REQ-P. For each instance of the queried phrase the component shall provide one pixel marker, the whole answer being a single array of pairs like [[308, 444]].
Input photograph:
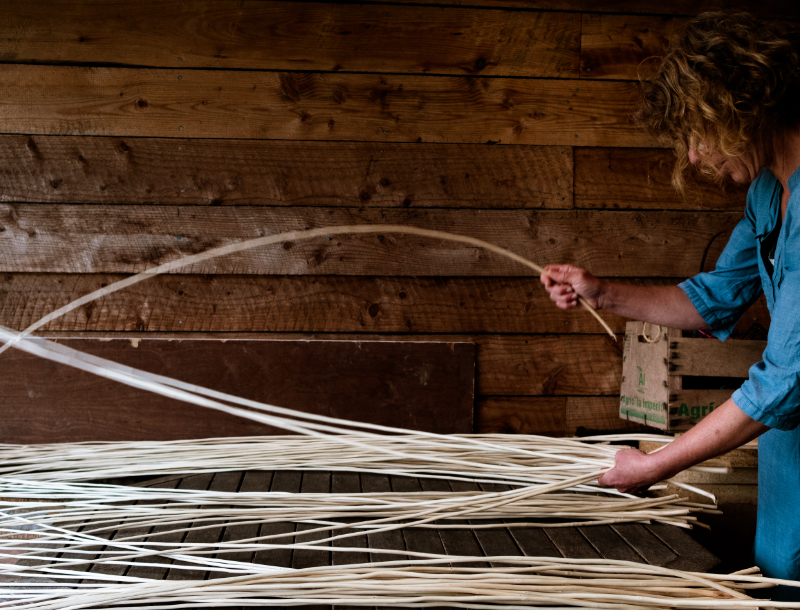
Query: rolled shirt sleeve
[[723, 295], [771, 394]]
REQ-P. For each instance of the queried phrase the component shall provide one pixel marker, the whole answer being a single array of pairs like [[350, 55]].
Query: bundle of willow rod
[[511, 583], [48, 513], [567, 461]]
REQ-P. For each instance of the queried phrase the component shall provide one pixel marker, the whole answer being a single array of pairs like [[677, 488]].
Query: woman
[[727, 97]]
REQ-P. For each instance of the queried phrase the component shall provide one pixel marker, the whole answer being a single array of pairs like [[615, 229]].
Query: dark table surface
[[657, 544]]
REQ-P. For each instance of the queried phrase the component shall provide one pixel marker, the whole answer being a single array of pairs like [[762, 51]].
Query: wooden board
[[636, 178], [222, 303], [294, 35], [51, 100], [780, 9], [77, 169], [615, 46], [506, 365], [423, 386], [545, 415], [649, 544], [704, 357], [598, 413], [127, 239]]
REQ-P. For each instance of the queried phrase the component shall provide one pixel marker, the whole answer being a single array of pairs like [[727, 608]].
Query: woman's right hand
[[565, 283]]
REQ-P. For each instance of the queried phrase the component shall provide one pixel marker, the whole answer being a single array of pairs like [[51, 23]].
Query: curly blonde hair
[[728, 82]]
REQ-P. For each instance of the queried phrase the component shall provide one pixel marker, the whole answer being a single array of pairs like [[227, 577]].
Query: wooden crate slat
[[641, 178], [59, 100], [129, 239], [420, 385], [181, 171], [296, 35], [704, 358]]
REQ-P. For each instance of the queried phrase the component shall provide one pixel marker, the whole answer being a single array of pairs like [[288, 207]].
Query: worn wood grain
[[692, 556], [608, 543], [293, 35], [126, 239], [571, 543], [507, 365], [705, 358], [646, 544], [407, 384], [781, 9], [615, 46], [636, 178], [55, 100], [598, 413], [544, 416], [76, 169], [385, 304]]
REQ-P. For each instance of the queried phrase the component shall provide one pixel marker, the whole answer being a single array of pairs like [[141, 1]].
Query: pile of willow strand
[[511, 583], [519, 582]]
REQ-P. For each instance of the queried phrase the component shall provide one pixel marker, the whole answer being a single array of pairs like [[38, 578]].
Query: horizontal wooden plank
[[305, 304], [598, 413], [544, 416], [704, 358], [506, 365], [636, 178], [615, 46], [631, 46], [125, 239], [780, 9], [293, 35], [74, 169], [316, 106], [418, 385]]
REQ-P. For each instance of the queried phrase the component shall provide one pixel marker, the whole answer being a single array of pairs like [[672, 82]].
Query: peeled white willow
[[447, 451], [511, 583]]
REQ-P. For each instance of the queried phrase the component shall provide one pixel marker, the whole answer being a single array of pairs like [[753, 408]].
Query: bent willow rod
[[286, 237]]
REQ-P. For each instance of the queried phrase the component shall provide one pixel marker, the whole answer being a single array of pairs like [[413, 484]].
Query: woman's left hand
[[633, 471]]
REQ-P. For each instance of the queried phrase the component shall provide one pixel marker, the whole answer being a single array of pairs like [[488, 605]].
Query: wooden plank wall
[[137, 132]]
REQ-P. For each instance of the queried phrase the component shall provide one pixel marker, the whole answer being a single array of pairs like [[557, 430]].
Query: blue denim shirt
[[771, 394]]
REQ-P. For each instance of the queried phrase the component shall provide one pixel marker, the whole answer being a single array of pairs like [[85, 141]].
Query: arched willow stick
[[285, 237]]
